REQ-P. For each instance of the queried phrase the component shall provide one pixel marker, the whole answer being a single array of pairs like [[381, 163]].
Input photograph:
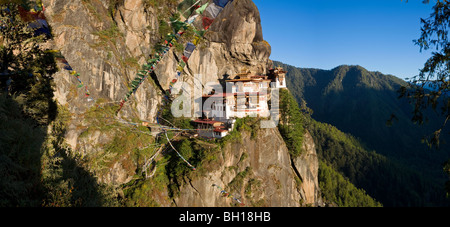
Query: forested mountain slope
[[360, 103]]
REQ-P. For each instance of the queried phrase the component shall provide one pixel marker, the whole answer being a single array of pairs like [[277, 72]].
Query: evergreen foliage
[[434, 74], [360, 103], [387, 181], [27, 66], [341, 192], [291, 123], [20, 152]]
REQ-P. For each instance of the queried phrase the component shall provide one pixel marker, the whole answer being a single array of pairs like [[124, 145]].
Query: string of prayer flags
[[59, 57], [80, 85], [226, 194], [186, 8], [36, 18], [161, 50], [212, 10]]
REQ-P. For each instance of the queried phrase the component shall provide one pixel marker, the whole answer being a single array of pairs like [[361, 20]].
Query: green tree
[[292, 122], [341, 192], [26, 68], [436, 72]]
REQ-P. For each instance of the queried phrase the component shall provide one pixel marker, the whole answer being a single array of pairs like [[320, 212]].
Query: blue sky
[[375, 34]]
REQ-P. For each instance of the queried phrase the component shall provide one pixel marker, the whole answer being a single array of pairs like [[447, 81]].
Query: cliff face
[[233, 43], [306, 166], [258, 172], [107, 50], [106, 43], [107, 53]]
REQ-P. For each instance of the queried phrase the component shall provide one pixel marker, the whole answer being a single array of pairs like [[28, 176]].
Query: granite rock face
[[106, 51], [234, 43], [306, 166], [271, 179], [107, 44]]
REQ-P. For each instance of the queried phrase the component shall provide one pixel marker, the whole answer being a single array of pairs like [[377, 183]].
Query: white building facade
[[248, 96]]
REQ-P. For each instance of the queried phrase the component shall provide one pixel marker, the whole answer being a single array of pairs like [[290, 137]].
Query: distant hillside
[[360, 103], [387, 181]]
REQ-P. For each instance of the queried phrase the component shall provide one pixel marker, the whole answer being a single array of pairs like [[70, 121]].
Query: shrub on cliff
[[292, 122]]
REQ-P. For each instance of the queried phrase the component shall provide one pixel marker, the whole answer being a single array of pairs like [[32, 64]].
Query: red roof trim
[[210, 122]]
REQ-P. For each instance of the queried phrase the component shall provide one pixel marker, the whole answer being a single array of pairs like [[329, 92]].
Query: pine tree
[[291, 122], [435, 73]]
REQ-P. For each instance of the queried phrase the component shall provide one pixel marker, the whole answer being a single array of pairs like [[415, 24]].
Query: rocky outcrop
[[239, 28], [233, 43], [106, 51], [306, 167], [257, 171]]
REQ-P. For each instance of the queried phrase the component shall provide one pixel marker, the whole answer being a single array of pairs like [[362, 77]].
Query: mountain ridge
[[360, 102]]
